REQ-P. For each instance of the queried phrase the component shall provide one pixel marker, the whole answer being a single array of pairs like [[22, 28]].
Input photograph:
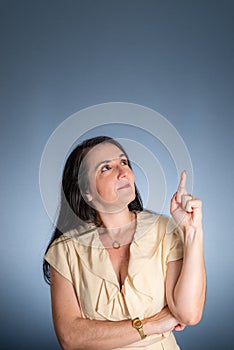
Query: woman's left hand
[[185, 209]]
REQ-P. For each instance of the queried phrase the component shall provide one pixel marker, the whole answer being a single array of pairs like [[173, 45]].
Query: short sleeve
[[173, 244], [58, 257]]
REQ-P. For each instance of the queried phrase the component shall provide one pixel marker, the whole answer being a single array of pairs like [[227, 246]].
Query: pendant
[[116, 245]]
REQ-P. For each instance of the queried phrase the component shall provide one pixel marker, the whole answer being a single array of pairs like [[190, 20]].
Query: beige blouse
[[80, 257]]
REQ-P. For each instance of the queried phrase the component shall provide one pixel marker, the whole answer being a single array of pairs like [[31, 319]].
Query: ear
[[88, 196]]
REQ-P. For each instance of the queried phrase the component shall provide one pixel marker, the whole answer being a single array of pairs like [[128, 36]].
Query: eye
[[105, 168], [124, 161]]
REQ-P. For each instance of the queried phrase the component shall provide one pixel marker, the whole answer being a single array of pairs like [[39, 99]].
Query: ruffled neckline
[[135, 288]]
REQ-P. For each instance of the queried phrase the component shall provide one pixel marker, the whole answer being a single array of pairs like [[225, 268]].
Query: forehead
[[102, 152]]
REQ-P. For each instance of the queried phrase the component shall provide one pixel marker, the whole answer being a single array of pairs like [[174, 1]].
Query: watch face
[[137, 323]]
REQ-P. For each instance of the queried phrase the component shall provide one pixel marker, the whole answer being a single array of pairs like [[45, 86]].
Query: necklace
[[116, 244], [108, 241]]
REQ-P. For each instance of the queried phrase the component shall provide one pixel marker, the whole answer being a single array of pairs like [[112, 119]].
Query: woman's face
[[111, 181]]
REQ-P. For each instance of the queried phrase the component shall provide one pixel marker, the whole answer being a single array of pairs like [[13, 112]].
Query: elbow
[[189, 314], [191, 318], [192, 321], [67, 343]]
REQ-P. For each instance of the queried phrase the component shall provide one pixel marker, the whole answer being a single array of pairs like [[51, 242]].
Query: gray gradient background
[[58, 57]]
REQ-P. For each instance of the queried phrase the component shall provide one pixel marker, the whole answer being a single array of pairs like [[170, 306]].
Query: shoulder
[[150, 219], [74, 243], [157, 225], [151, 227]]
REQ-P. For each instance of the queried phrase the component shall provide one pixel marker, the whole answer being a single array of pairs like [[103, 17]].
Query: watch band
[[138, 325], [142, 334]]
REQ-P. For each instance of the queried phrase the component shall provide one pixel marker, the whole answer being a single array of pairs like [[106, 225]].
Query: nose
[[121, 171]]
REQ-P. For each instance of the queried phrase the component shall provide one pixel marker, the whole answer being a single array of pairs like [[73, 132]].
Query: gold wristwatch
[[136, 323]]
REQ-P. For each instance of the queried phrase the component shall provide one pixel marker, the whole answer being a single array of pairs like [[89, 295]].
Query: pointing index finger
[[182, 186]]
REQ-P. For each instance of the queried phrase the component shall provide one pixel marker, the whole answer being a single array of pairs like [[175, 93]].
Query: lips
[[127, 185]]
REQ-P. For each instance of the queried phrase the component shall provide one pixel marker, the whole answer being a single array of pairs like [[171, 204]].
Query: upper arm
[[173, 273], [65, 306]]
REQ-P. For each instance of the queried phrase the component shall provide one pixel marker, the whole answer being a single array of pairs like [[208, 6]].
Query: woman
[[118, 278]]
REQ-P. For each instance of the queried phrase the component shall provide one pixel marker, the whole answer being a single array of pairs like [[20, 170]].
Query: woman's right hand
[[156, 327], [162, 322]]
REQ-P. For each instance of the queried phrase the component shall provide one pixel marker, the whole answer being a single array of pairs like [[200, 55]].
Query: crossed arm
[[77, 333], [185, 305]]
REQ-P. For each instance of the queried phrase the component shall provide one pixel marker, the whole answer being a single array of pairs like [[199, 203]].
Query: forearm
[[96, 335], [189, 293], [84, 334]]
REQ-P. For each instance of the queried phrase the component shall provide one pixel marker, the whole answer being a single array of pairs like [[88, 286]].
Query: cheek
[[106, 188], [101, 186], [131, 175], [92, 184], [105, 185]]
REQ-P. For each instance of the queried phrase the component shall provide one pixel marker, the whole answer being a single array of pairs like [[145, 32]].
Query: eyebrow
[[109, 160]]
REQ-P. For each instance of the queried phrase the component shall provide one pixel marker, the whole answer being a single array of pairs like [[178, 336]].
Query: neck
[[116, 221], [117, 229]]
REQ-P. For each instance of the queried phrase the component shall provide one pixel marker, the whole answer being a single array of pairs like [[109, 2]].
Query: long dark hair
[[73, 207]]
